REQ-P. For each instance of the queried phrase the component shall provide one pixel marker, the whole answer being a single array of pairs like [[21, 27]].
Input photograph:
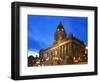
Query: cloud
[[34, 43]]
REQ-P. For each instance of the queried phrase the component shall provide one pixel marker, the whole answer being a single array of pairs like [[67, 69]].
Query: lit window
[[84, 55], [74, 58], [55, 52], [62, 29], [79, 58]]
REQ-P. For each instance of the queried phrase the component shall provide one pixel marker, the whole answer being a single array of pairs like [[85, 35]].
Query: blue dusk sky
[[41, 30]]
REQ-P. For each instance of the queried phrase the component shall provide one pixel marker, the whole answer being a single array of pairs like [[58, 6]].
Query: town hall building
[[64, 50]]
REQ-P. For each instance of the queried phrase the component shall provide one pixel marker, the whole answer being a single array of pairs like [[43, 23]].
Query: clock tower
[[60, 34]]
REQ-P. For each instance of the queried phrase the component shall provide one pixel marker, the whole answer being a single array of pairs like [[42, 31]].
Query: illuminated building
[[65, 50]]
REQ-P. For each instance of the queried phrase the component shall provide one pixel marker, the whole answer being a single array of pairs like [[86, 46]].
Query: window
[[62, 29]]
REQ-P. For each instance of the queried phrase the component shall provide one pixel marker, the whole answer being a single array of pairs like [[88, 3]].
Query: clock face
[[57, 29], [62, 29]]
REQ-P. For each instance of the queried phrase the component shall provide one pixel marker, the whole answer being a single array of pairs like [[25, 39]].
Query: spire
[[60, 26], [60, 23]]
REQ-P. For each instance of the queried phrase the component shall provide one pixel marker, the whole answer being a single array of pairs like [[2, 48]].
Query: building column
[[68, 50], [62, 51], [59, 51], [65, 51], [65, 54]]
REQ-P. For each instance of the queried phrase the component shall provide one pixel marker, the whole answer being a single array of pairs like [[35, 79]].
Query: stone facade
[[65, 50]]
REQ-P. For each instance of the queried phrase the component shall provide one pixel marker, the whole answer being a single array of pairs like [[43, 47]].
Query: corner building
[[65, 50]]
